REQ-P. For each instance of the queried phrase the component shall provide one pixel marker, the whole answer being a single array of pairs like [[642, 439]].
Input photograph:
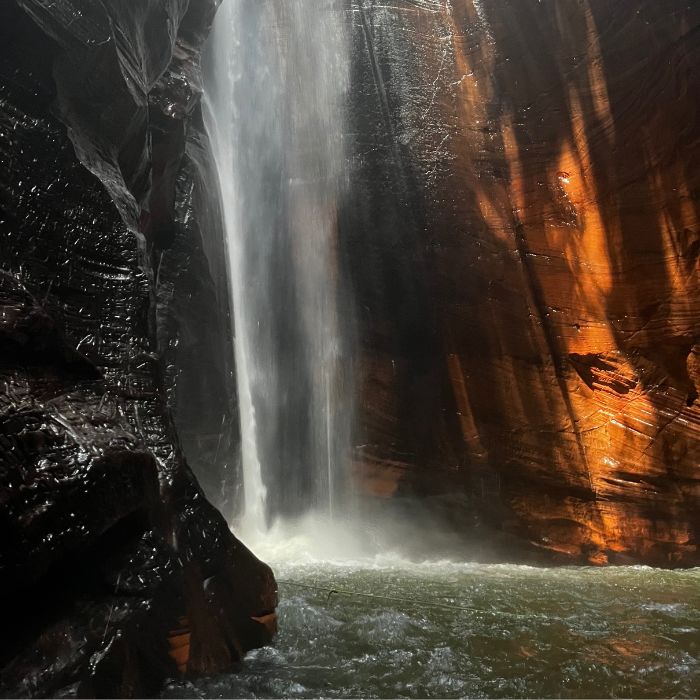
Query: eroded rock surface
[[116, 572], [523, 242]]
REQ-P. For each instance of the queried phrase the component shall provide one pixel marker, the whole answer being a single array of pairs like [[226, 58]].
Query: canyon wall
[[115, 570], [521, 237], [523, 242]]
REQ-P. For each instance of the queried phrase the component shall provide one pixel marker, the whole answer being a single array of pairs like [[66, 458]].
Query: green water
[[476, 631]]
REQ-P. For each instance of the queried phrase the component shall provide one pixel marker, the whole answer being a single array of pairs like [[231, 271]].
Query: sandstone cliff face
[[524, 247], [116, 572]]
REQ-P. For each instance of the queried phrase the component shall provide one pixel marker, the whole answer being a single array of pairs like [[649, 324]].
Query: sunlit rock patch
[[540, 161]]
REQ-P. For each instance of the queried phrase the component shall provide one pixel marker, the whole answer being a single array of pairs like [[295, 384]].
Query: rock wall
[[523, 240], [116, 572]]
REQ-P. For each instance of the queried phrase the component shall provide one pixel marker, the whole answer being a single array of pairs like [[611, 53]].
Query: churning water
[[450, 630], [277, 78]]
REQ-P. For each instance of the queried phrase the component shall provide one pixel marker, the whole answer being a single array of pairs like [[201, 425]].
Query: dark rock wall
[[523, 241], [116, 572]]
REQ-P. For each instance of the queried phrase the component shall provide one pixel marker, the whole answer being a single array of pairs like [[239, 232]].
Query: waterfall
[[275, 89]]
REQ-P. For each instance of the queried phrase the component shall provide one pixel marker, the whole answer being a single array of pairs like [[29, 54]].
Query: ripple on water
[[527, 632]]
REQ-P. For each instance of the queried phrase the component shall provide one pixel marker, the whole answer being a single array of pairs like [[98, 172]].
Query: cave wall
[[116, 571], [523, 242]]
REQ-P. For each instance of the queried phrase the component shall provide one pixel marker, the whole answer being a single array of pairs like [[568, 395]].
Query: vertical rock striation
[[116, 571], [533, 200]]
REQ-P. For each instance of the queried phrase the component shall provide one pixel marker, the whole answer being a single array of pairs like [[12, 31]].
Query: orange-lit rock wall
[[527, 275]]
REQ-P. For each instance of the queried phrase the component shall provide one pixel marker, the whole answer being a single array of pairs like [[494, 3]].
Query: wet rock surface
[[116, 571], [523, 243]]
